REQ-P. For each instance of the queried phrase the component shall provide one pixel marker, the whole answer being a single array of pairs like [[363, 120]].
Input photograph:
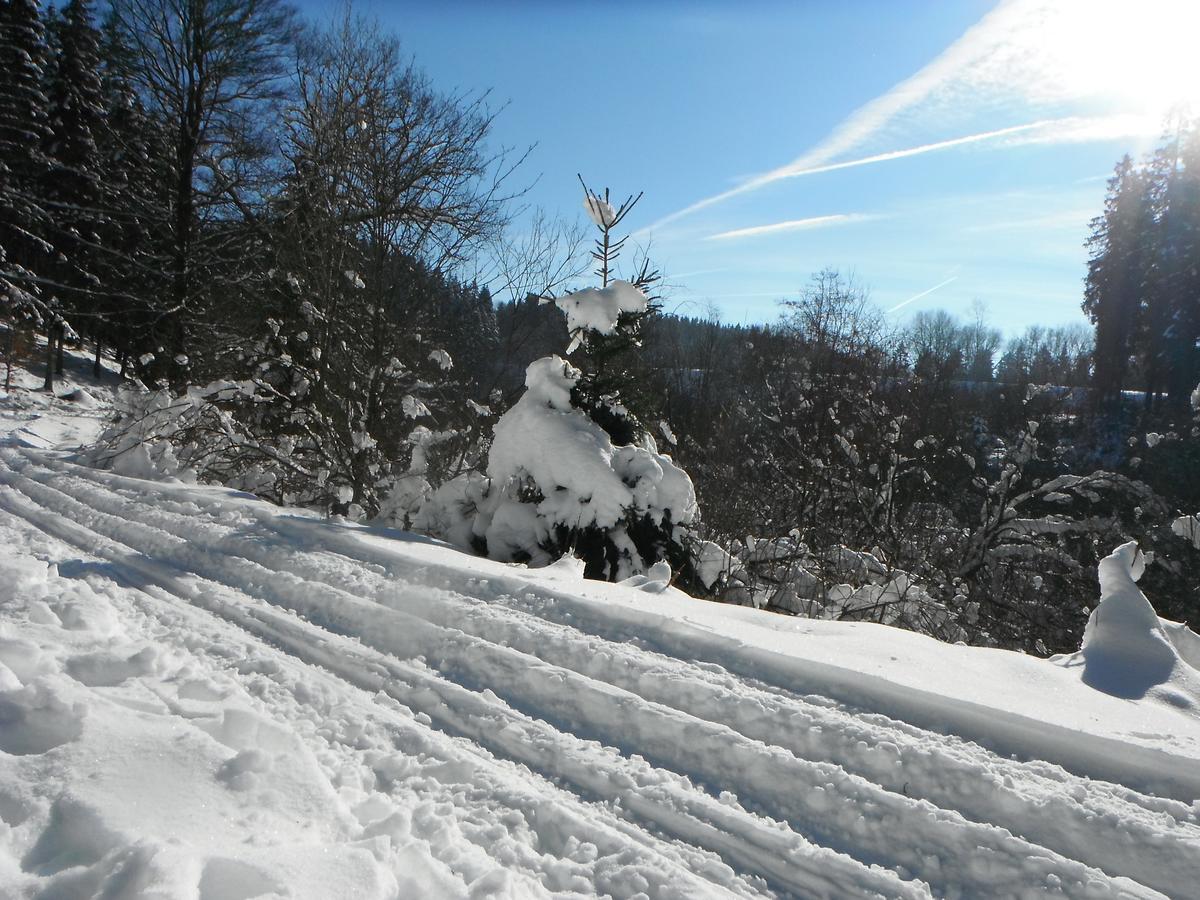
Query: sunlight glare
[[1140, 54]]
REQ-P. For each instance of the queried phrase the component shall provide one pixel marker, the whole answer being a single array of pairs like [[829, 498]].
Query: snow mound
[[567, 455], [550, 467], [550, 380], [1127, 649], [80, 396], [581, 478]]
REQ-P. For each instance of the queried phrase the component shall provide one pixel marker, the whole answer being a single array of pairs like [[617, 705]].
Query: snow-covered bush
[[559, 484], [191, 436], [985, 522], [282, 434], [570, 468], [785, 575]]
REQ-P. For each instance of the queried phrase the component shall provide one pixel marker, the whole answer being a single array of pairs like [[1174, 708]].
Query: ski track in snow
[[553, 751]]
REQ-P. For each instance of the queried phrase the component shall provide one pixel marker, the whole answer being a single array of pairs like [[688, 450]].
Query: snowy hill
[[202, 695]]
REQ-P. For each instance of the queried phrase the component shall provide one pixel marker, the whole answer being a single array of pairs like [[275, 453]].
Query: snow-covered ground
[[204, 696]]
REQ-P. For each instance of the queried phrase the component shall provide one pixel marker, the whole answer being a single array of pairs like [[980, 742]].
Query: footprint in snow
[[35, 720], [107, 669]]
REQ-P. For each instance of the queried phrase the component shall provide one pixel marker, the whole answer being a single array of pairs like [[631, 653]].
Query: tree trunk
[[58, 359], [96, 371], [48, 385]]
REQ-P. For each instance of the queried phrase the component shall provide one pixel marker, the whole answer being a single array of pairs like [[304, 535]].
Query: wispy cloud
[[1085, 129], [979, 41], [697, 272], [1019, 58], [984, 40], [925, 293], [793, 225], [780, 293], [1070, 219], [803, 166]]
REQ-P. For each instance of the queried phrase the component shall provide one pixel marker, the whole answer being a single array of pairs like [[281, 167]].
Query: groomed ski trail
[[683, 778]]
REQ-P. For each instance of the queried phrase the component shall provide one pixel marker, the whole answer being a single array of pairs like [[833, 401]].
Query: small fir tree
[[572, 469]]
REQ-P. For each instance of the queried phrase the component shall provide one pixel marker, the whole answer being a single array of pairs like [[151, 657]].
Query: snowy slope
[[205, 696]]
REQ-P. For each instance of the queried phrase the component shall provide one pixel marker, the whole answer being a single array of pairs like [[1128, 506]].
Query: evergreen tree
[[1117, 275], [1180, 273], [1143, 285], [72, 187], [132, 262], [1158, 245], [571, 467], [24, 128], [609, 390]]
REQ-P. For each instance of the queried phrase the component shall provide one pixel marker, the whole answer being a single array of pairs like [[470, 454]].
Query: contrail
[[924, 148], [923, 294], [791, 171], [978, 43], [793, 225]]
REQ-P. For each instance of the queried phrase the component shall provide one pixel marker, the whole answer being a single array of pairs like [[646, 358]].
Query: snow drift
[[1128, 651]]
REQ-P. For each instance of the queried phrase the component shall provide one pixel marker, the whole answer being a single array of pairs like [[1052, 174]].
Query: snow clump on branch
[[599, 309]]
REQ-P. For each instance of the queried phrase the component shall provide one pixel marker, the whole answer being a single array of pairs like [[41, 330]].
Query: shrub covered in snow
[[785, 575], [570, 468]]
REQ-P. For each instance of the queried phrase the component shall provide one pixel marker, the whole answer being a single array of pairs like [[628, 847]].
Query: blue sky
[[955, 146]]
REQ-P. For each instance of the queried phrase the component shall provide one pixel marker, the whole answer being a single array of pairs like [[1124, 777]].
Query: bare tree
[[389, 187], [211, 71]]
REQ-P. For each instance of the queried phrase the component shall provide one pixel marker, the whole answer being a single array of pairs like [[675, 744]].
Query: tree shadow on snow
[[380, 531]]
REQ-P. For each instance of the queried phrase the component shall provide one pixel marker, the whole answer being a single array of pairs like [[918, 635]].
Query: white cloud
[[1070, 219], [916, 151], [1067, 130], [697, 272]]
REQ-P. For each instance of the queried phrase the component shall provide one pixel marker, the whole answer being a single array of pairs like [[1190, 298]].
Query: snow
[[598, 309], [582, 478], [413, 407], [549, 381], [600, 211], [72, 415], [206, 696], [1127, 650], [1188, 528]]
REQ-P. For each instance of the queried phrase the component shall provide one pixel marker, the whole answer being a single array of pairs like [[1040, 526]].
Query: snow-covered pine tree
[[72, 180], [132, 267], [571, 468], [24, 128]]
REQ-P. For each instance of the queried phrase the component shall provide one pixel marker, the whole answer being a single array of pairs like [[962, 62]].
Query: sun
[[1139, 55]]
